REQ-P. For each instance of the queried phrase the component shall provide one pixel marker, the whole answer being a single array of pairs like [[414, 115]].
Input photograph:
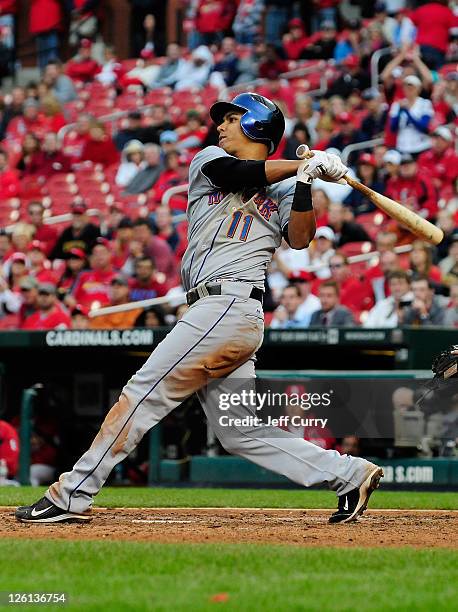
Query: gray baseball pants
[[216, 339]]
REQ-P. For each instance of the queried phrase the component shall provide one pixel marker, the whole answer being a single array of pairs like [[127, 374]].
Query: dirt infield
[[416, 528]]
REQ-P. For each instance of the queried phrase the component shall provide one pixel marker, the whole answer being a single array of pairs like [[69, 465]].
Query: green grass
[[238, 498], [141, 576]]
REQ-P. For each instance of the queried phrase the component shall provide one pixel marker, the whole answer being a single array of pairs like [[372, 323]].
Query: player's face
[[231, 137]]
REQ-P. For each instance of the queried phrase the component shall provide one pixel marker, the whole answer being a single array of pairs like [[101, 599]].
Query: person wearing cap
[[391, 164], [39, 265], [75, 263], [45, 20], [81, 233], [80, 318], [410, 118], [285, 262], [10, 186], [147, 176], [168, 141], [366, 172], [286, 314], [295, 40], [374, 122], [413, 189], [99, 148], [50, 314], [310, 303], [119, 294], [92, 287], [322, 249], [132, 162], [15, 269], [440, 162], [83, 67]]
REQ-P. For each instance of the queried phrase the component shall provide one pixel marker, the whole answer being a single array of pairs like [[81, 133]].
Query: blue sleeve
[[421, 124], [394, 123]]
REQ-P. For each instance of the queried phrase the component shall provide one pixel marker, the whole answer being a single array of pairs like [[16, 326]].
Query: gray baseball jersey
[[232, 235]]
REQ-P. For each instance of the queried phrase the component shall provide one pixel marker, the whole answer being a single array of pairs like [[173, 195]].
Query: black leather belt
[[215, 289]]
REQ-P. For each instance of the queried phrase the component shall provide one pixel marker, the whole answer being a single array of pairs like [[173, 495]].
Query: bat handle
[[303, 152]]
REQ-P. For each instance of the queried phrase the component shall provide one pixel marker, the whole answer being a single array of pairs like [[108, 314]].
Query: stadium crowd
[[86, 216]]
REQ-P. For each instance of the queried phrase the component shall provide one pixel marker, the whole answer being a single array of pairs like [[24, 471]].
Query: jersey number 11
[[236, 218]]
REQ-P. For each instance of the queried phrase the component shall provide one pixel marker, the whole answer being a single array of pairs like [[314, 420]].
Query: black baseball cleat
[[354, 503], [44, 511]]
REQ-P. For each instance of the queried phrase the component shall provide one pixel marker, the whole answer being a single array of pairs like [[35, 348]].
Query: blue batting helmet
[[261, 121]]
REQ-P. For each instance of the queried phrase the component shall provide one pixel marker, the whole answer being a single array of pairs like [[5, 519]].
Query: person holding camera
[[389, 312]]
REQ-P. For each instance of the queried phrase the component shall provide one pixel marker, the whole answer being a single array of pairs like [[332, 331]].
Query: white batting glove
[[335, 170], [312, 168]]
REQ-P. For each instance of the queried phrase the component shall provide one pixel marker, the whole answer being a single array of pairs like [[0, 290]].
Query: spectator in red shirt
[[354, 293], [295, 40], [212, 19], [39, 266], [100, 148], [45, 234], [120, 245], [272, 65], [440, 162], [50, 315], [421, 262], [30, 121], [75, 140], [9, 448], [148, 282], [433, 21], [168, 178], [191, 135], [49, 160], [413, 189], [83, 67], [9, 179], [45, 20], [92, 289], [53, 117]]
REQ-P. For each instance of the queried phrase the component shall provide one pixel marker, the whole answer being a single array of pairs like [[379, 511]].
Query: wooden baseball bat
[[417, 225]]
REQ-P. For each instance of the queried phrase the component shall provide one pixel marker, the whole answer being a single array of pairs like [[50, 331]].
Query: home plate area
[[416, 528]]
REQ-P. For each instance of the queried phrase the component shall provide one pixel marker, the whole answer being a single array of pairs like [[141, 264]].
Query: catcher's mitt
[[445, 365]]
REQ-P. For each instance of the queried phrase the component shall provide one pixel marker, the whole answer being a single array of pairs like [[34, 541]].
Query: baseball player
[[240, 206]]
